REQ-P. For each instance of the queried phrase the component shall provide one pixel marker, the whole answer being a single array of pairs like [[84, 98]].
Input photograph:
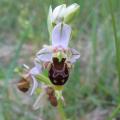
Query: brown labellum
[[51, 96], [23, 85], [53, 100], [50, 91], [58, 72]]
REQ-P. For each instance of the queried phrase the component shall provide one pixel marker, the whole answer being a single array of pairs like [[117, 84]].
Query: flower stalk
[[61, 110], [114, 113]]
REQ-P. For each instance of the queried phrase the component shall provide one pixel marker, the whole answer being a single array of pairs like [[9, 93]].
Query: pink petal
[[34, 85], [61, 35], [34, 71], [75, 55], [44, 54]]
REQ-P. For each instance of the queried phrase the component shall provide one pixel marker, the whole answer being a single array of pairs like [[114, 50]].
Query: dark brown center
[[58, 72]]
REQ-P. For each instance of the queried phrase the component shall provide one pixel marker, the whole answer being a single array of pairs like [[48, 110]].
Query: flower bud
[[58, 14], [61, 14], [70, 12]]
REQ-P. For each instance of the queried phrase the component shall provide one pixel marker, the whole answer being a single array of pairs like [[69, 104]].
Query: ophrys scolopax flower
[[57, 58]]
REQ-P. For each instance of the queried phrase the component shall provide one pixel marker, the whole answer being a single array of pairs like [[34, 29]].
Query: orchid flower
[[57, 58]]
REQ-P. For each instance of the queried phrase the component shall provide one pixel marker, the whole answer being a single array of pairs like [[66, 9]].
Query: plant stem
[[114, 113], [60, 110], [117, 42]]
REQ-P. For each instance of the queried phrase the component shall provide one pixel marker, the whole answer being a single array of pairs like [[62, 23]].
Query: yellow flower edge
[[58, 87]]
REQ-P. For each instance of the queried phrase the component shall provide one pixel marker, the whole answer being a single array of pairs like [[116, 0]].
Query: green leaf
[[43, 78], [49, 22]]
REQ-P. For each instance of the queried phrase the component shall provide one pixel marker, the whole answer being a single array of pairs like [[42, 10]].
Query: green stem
[[114, 113], [117, 42], [60, 110]]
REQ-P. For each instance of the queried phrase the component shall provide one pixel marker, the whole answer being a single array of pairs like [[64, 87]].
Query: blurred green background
[[93, 83]]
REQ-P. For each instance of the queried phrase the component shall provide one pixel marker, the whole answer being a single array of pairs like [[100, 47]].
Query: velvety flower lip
[[23, 84], [56, 58], [58, 73]]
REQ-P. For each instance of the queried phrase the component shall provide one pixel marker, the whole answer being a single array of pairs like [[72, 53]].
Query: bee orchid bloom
[[58, 58]]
